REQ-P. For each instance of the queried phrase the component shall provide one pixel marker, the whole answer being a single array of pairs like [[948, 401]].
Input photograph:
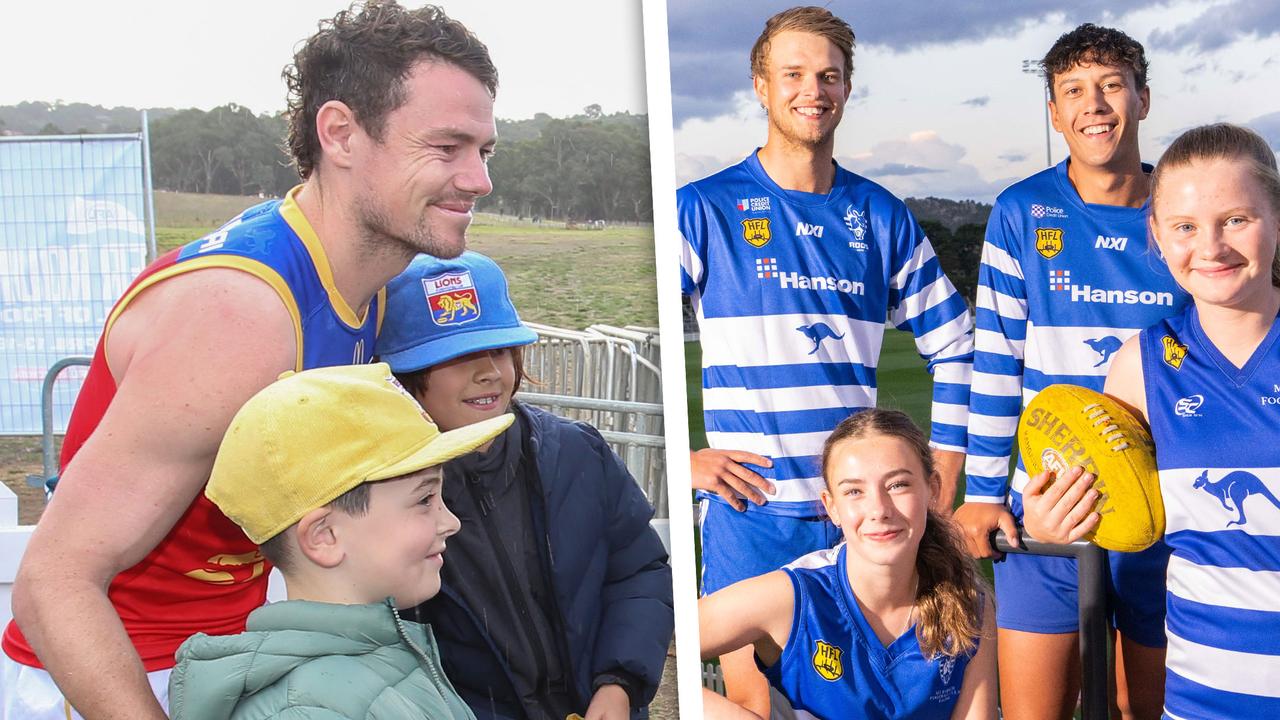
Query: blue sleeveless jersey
[[1062, 284], [792, 292], [1217, 434], [274, 242], [833, 665]]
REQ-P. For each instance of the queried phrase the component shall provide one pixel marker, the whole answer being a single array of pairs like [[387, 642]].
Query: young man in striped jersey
[[1066, 278], [793, 264]]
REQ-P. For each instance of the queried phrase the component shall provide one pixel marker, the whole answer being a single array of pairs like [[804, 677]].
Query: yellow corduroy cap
[[311, 436]]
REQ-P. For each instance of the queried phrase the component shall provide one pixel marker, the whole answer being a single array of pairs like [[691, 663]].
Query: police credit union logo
[[756, 231], [1174, 352], [1049, 242], [452, 298], [826, 660]]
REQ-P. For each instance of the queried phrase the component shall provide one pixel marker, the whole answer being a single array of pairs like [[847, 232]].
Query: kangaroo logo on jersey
[[1104, 346], [1187, 406], [1174, 352], [818, 332], [1049, 242], [756, 231], [452, 298], [826, 660], [1235, 486]]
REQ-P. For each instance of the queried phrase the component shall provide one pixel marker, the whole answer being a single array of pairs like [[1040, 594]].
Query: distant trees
[[227, 150], [959, 253]]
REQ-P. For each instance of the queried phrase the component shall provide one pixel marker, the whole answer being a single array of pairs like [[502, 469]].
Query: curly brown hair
[[361, 57], [950, 593], [810, 19], [1099, 45]]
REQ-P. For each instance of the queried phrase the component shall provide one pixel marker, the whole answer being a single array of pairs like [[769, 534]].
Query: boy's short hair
[[1094, 44], [810, 19], [354, 502], [307, 439]]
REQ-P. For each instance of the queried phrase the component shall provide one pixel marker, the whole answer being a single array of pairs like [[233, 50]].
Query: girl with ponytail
[[895, 622]]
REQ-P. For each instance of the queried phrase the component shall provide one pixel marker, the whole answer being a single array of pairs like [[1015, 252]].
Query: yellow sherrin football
[[1067, 425]]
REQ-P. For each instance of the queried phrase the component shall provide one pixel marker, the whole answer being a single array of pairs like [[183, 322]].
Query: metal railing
[[49, 461]]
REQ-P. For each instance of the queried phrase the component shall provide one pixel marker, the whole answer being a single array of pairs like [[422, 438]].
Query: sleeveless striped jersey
[[1216, 429], [1062, 285], [792, 291], [206, 576], [833, 665]]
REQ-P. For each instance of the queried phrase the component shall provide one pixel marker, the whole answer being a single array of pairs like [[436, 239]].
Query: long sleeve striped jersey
[[792, 292], [1062, 285]]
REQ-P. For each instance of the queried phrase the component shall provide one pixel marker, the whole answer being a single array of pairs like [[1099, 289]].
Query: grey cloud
[[900, 169], [1014, 157], [1268, 126], [710, 40], [977, 101], [1221, 25]]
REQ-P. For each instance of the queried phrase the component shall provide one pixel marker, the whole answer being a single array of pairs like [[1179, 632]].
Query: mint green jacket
[[319, 661]]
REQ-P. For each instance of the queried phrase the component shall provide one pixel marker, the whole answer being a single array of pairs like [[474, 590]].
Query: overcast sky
[[553, 56], [941, 104]]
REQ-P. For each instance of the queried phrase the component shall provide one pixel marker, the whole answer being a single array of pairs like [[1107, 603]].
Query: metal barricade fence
[[603, 362], [629, 428]]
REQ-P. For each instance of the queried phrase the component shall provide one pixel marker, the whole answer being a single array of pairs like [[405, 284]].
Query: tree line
[[590, 166]]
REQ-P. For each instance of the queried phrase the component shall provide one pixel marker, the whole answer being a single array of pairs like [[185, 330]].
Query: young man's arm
[[996, 401], [186, 355], [923, 301], [637, 618]]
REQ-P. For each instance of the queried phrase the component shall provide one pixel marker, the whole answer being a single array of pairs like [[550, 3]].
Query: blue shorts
[[1037, 593], [739, 545]]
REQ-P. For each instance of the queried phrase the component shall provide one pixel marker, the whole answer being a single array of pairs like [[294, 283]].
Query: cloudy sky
[[941, 105], [160, 53]]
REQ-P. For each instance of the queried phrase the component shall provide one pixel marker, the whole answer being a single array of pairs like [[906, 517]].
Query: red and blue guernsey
[[792, 291], [1215, 430], [206, 576], [1062, 284], [833, 665]]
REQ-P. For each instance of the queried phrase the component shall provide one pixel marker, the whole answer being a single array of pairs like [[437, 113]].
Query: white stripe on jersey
[[1001, 260], [1189, 508], [992, 384], [1238, 672], [1064, 350], [949, 414], [786, 344], [689, 260], [922, 254], [1238, 588], [785, 399], [789, 445], [1019, 480], [1007, 306], [957, 373], [950, 335], [935, 293], [817, 558], [998, 344], [986, 466], [992, 425]]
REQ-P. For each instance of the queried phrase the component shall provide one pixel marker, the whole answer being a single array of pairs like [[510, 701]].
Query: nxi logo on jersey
[[452, 298], [1111, 243], [804, 229]]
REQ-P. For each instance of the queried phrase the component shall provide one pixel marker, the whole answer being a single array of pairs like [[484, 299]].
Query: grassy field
[[567, 278]]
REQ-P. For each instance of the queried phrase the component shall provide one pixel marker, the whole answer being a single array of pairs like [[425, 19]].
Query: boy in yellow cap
[[335, 473]]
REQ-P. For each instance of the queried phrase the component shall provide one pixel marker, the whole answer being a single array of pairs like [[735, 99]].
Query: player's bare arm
[[756, 611], [722, 472], [978, 694], [185, 356], [949, 465], [978, 520], [1125, 381]]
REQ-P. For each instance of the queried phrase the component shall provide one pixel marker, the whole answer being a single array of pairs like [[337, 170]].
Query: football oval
[[1066, 425]]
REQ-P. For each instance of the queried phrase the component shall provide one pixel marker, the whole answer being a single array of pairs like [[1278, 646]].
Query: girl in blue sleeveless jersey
[[898, 626], [1208, 382]]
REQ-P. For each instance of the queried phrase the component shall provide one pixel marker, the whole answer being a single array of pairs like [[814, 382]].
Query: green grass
[[561, 277]]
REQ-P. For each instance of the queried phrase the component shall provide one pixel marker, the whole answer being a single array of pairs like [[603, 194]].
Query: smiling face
[[1097, 109], [470, 388], [804, 88], [419, 182], [396, 548], [878, 494], [1218, 231]]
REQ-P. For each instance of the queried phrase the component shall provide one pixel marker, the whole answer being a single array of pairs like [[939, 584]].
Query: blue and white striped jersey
[[792, 291], [1215, 429], [1062, 285], [833, 665]]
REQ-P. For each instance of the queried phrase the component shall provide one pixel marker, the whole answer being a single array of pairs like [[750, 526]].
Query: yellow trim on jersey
[[382, 310], [233, 262], [292, 214]]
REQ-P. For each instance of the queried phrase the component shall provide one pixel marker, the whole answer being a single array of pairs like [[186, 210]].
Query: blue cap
[[438, 310]]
